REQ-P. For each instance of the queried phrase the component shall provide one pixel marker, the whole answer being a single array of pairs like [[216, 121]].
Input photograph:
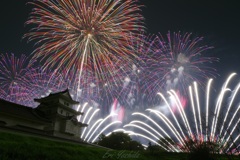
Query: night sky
[[217, 21]]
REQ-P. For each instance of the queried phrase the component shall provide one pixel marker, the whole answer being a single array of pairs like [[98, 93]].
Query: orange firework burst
[[89, 35]]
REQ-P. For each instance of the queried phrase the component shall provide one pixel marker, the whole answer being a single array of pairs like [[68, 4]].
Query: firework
[[22, 81], [3, 94], [199, 123], [85, 35], [129, 93], [96, 125], [43, 82], [88, 91], [13, 78], [179, 60]]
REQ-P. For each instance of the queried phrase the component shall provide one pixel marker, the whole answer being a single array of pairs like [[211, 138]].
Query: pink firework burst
[[179, 60]]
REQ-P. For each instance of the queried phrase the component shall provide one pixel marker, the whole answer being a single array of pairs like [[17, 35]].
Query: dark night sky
[[216, 20]]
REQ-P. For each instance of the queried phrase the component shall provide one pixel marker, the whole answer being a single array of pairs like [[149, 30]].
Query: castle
[[54, 116]]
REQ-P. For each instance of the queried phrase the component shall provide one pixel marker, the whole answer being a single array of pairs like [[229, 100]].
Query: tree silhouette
[[119, 141]]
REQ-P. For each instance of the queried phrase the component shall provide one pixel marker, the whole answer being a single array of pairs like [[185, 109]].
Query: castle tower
[[58, 108]]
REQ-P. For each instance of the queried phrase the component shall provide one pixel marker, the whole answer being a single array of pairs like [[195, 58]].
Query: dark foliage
[[119, 141]]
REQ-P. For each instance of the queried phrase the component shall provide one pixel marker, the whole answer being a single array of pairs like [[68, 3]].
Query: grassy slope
[[15, 146], [21, 147]]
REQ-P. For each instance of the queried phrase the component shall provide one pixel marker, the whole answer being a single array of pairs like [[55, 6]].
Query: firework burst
[[209, 123], [133, 86], [43, 82], [88, 35], [13, 78], [179, 60]]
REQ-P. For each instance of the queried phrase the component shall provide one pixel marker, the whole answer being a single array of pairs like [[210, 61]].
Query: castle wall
[[12, 121]]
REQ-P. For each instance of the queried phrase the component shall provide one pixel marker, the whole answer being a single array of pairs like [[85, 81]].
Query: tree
[[119, 141], [199, 149], [153, 148]]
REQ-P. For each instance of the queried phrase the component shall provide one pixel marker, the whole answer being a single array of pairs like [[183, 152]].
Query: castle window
[[66, 104], [61, 111]]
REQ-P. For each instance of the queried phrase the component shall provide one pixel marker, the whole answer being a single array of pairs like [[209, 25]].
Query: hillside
[[24, 147]]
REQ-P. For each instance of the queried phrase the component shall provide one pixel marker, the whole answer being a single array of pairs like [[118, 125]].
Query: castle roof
[[20, 111], [64, 94]]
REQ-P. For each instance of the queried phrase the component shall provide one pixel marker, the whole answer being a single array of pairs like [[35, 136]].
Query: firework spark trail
[[181, 111], [101, 122], [207, 103], [78, 107], [140, 122], [229, 125], [193, 108], [86, 36], [169, 125], [93, 126], [161, 95], [229, 107], [230, 122], [198, 106], [85, 104], [219, 107], [86, 116], [137, 126], [154, 122], [112, 123], [220, 97], [234, 142], [131, 124], [233, 129], [219, 102], [82, 62], [89, 121]]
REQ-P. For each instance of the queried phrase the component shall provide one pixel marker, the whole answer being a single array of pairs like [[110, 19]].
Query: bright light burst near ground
[[96, 124], [202, 121]]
